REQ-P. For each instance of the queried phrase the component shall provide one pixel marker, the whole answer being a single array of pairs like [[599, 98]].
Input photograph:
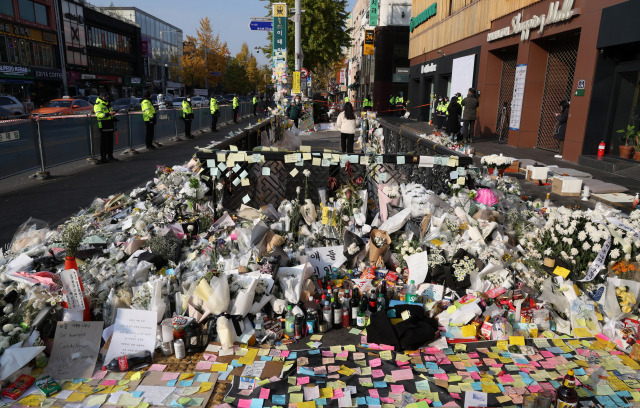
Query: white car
[[11, 104], [199, 101]]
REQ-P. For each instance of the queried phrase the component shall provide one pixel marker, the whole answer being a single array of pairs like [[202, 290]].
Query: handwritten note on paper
[[324, 258], [72, 290], [134, 330], [75, 349]]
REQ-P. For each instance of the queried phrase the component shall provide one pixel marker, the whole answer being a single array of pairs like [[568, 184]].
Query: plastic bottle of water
[[412, 293]]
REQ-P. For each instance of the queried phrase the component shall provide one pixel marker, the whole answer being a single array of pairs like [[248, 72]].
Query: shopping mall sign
[[556, 14], [423, 17]]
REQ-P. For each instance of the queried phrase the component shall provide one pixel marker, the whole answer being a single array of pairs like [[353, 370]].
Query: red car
[[64, 106]]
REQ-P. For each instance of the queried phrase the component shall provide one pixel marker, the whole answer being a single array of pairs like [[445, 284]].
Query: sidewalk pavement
[[74, 186]]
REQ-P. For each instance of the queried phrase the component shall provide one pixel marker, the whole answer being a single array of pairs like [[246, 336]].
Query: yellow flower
[[626, 309]]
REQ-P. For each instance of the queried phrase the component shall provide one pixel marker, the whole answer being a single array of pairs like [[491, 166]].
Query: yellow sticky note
[[305, 149], [221, 157], [516, 340], [76, 397], [124, 382], [306, 156], [490, 388], [290, 158], [185, 376], [326, 392], [249, 357], [560, 271], [205, 386], [581, 332], [136, 376], [33, 400], [219, 367], [469, 331], [502, 344], [386, 355], [97, 399], [344, 370], [316, 161], [436, 242], [296, 398], [245, 182], [335, 349], [294, 172], [307, 404], [350, 347], [233, 148]]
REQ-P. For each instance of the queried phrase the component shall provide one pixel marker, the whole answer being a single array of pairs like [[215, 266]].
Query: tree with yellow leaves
[[203, 54]]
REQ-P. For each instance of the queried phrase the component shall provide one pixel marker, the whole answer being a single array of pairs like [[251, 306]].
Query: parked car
[[199, 101], [64, 107], [177, 103], [11, 104], [126, 104], [91, 99], [5, 114]]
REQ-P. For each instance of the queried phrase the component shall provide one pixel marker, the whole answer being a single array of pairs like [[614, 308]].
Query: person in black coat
[[561, 127], [453, 117]]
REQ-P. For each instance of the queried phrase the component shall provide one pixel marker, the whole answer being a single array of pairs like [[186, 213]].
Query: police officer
[[236, 105], [149, 117], [367, 104], [255, 105], [400, 104], [187, 116], [392, 103], [215, 113], [105, 115]]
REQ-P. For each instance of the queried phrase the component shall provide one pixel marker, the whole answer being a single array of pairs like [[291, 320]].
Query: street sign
[[304, 73], [215, 73], [296, 83], [261, 26], [368, 42]]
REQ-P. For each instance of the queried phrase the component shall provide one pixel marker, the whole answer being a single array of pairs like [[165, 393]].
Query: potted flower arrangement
[[71, 235], [497, 161], [628, 134]]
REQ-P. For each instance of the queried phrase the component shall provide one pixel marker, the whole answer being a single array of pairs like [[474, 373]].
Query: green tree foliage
[[324, 32]]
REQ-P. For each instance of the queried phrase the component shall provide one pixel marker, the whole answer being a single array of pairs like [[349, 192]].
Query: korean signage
[[27, 32], [374, 8], [279, 27], [145, 46], [74, 33], [343, 76], [423, 17], [295, 89], [368, 42], [556, 14], [9, 136], [145, 66], [518, 96]]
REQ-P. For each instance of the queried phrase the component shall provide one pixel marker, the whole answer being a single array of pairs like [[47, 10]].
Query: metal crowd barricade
[[19, 150]]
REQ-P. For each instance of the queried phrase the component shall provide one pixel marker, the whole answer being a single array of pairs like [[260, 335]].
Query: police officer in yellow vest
[[149, 117], [367, 104], [400, 105], [187, 116], [392, 104], [255, 105], [105, 117], [215, 113], [236, 105]]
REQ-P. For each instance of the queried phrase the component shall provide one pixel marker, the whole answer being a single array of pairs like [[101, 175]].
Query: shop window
[[6, 7], [27, 11], [37, 61], [14, 57], [42, 15], [4, 54]]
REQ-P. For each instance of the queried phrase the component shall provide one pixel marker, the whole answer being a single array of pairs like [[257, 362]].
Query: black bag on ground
[[417, 329], [381, 331]]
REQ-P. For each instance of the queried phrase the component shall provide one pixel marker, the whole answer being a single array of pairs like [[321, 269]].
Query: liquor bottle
[[346, 322], [567, 396], [298, 327], [373, 301], [383, 291], [361, 319], [133, 361], [337, 313], [327, 314], [289, 321], [381, 304], [353, 304]]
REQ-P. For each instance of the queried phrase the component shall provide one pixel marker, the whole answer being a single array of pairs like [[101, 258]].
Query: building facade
[[524, 57], [29, 53], [103, 51], [378, 63], [162, 45]]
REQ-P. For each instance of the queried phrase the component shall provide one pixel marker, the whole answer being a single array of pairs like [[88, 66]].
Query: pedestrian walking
[[215, 113], [255, 105], [469, 113], [295, 110], [187, 116], [236, 105], [149, 117], [453, 118], [347, 123], [105, 116], [561, 127]]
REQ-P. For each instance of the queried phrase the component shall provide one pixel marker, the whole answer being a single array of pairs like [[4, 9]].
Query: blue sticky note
[[420, 366], [137, 394], [171, 383], [201, 377], [567, 355], [279, 399], [292, 356], [476, 386], [78, 380], [235, 363], [321, 401], [437, 404], [306, 371], [623, 394], [501, 387], [373, 401], [361, 401], [224, 375], [314, 351], [175, 404], [266, 358], [579, 371], [472, 369], [380, 384], [186, 383], [256, 403]]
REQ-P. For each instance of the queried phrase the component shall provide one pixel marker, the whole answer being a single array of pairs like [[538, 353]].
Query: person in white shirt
[[346, 124]]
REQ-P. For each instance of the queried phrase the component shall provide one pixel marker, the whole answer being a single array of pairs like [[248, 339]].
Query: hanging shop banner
[[518, 96], [279, 44], [368, 42], [374, 8], [296, 83], [423, 17]]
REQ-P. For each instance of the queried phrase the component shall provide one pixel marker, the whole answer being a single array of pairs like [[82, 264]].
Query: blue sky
[[229, 18]]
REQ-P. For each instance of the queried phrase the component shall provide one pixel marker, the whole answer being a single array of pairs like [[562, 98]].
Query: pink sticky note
[[343, 354], [455, 395], [209, 357], [507, 378], [374, 393], [99, 375], [442, 376], [204, 365], [157, 367], [545, 353], [387, 400], [377, 373], [399, 388], [375, 362], [475, 375], [109, 382], [169, 376], [302, 380], [399, 375], [327, 353], [386, 347], [402, 363], [284, 353], [244, 403], [534, 388], [337, 393], [264, 393]]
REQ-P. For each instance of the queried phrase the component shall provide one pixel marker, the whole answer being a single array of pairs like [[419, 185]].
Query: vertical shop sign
[[518, 96], [368, 42], [374, 7]]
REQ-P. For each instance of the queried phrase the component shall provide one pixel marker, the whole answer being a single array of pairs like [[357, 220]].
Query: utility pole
[[298, 31], [61, 48], [206, 67]]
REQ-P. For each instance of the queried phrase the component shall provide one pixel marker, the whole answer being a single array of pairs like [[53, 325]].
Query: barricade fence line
[[28, 143]]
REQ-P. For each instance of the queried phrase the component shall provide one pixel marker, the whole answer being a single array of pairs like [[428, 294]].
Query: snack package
[[15, 390], [48, 385]]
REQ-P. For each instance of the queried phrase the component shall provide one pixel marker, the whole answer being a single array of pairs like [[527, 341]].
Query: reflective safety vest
[[186, 108], [255, 100], [213, 105], [392, 101], [346, 99], [236, 103], [367, 103], [148, 111], [102, 111], [399, 100]]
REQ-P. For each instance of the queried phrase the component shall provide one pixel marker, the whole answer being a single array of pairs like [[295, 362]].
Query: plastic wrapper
[[244, 287], [291, 280], [215, 295], [384, 199], [32, 233], [264, 286], [396, 222], [226, 332], [611, 304]]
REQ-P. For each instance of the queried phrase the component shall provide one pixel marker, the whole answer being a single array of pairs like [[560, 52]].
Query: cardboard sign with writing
[[134, 331], [75, 349], [324, 258]]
